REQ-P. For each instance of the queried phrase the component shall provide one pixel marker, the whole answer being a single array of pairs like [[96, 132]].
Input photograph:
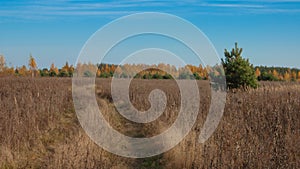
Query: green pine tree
[[239, 72]]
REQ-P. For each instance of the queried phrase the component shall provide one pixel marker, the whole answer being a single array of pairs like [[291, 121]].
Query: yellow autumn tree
[[106, 69], [298, 76], [275, 74], [22, 71], [293, 76], [257, 72], [98, 72], [4, 70], [66, 67], [287, 76], [2, 63], [113, 68], [53, 70], [118, 72], [10, 71], [65, 70], [32, 66]]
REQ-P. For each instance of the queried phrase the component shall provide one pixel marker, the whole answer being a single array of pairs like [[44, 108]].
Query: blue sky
[[56, 30]]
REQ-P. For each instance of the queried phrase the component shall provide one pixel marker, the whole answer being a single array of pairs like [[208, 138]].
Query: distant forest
[[200, 72]]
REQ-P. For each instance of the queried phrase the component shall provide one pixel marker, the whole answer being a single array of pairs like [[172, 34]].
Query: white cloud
[[233, 5], [35, 9]]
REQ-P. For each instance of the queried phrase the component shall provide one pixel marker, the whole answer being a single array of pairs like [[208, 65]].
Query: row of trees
[[277, 74], [33, 71], [109, 70], [238, 71], [155, 72]]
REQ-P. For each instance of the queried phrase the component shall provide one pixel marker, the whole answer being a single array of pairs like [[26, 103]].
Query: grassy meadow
[[39, 128]]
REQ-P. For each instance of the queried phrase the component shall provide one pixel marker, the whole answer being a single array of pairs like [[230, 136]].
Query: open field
[[39, 128]]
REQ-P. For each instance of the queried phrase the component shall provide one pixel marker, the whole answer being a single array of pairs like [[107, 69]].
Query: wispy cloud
[[35, 9], [230, 5]]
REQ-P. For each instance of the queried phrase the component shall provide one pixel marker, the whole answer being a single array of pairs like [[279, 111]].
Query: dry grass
[[39, 129]]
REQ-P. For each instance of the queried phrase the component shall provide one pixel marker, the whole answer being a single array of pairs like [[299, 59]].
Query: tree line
[[232, 64], [277, 73], [32, 69]]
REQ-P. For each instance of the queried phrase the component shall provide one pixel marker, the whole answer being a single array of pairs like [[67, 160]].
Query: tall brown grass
[[39, 129]]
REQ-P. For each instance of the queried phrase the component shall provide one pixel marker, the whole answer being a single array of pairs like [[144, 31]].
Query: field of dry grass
[[39, 128]]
